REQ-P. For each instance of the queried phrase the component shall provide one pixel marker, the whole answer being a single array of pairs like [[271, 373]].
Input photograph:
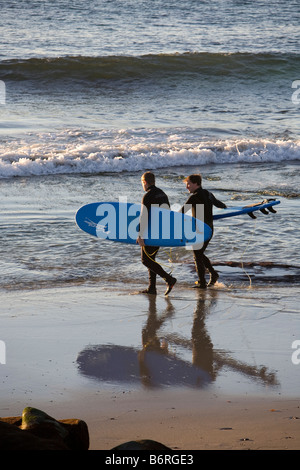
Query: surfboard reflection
[[156, 364]]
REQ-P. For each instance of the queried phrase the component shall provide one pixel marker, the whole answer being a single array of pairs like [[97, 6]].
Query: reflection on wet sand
[[211, 360], [157, 365]]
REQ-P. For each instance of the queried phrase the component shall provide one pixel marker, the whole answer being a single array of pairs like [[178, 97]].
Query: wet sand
[[244, 397]]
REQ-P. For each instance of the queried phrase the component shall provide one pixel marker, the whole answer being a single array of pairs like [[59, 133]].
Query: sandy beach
[[183, 422], [245, 398]]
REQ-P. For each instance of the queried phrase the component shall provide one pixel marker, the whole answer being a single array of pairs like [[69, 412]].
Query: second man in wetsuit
[[207, 200]]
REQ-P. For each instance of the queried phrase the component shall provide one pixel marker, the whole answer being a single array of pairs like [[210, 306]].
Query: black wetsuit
[[155, 196], [202, 196]]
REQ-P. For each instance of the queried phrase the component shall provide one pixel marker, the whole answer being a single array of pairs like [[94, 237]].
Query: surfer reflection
[[198, 372], [151, 342], [205, 356], [167, 359]]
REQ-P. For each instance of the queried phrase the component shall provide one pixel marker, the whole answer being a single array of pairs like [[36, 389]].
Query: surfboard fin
[[251, 215], [270, 209]]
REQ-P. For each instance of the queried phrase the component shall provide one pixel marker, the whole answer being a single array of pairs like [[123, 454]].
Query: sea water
[[93, 94]]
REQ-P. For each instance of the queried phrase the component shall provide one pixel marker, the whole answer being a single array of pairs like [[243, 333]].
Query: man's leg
[[200, 268], [214, 276], [148, 254], [202, 262]]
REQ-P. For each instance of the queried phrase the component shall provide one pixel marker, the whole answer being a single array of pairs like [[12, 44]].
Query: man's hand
[[140, 241]]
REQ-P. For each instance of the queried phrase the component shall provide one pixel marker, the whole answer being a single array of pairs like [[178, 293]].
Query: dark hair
[[149, 177], [194, 179]]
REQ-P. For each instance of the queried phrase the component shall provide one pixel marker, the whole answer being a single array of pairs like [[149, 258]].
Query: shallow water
[[42, 246]]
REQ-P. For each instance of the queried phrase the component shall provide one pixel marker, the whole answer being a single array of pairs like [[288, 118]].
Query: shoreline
[[45, 332]]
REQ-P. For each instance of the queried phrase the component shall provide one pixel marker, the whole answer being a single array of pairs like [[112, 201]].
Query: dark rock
[[13, 438], [36, 430], [144, 444], [41, 424], [78, 437]]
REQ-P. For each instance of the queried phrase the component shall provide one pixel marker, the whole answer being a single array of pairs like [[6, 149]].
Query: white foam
[[118, 151]]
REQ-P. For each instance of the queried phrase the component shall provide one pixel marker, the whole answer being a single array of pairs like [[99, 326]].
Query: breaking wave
[[123, 151]]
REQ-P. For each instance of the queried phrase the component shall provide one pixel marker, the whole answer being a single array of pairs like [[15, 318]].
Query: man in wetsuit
[[155, 196], [202, 196]]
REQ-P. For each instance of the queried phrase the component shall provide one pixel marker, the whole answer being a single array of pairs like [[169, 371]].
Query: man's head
[[193, 182], [148, 179]]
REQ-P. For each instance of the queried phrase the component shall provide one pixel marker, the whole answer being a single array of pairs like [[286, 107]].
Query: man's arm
[[216, 201]]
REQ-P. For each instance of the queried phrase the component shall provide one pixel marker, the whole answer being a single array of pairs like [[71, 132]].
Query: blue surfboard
[[265, 207], [120, 222]]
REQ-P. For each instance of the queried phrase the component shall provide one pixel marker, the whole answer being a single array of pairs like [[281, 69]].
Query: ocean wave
[[188, 65], [72, 153]]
